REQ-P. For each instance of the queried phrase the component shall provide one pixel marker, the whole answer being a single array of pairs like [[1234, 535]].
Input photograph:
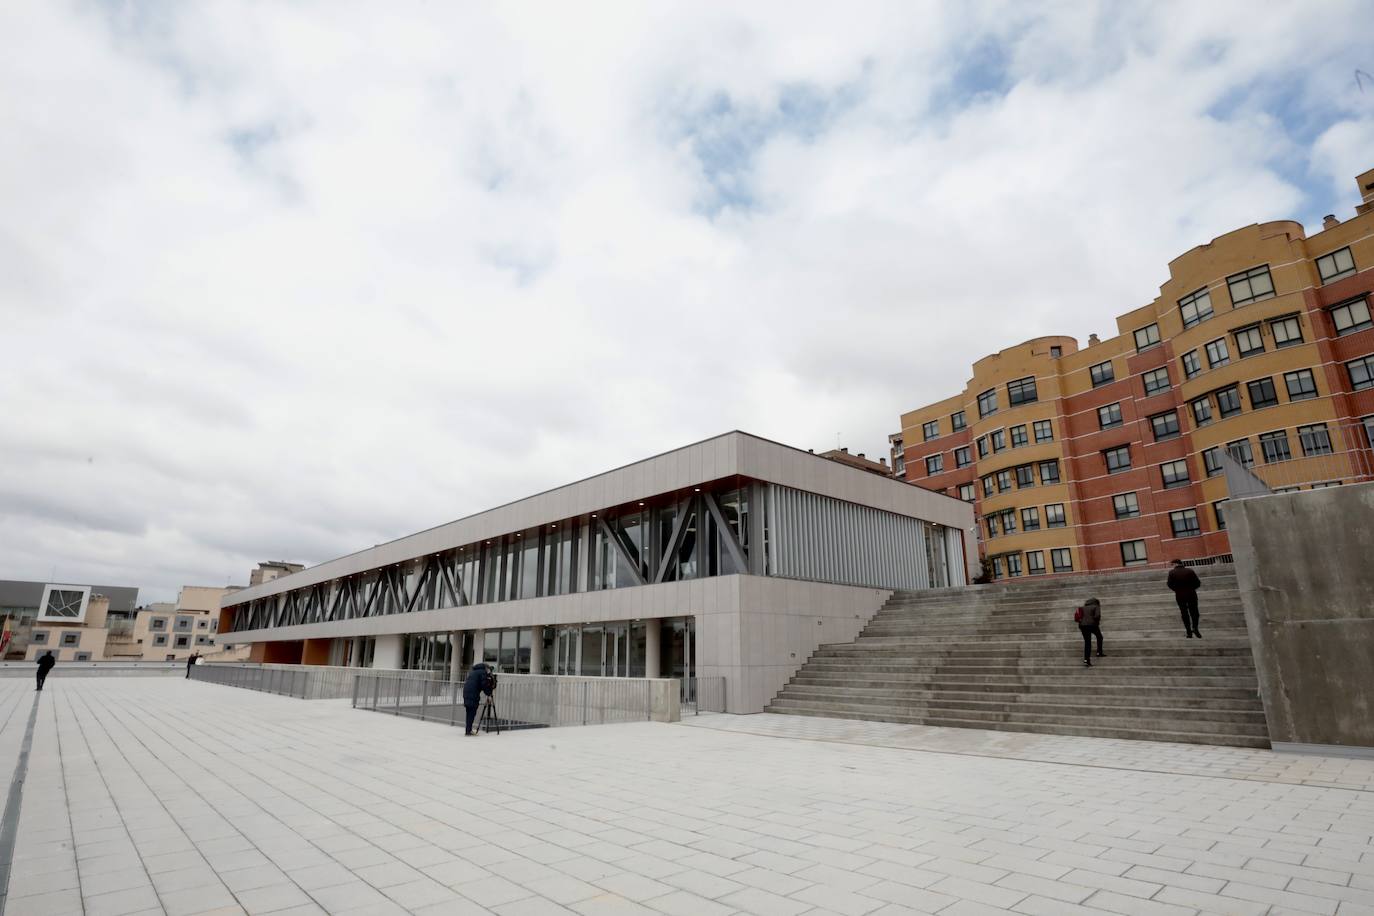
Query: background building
[[45, 604], [1260, 345], [734, 557]]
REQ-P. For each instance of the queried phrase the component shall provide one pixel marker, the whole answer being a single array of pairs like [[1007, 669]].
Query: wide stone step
[[1174, 735], [1024, 681], [1124, 598], [1032, 646], [1048, 627], [1107, 687], [1149, 697]]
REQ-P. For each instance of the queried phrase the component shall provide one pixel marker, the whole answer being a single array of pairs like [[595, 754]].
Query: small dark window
[[1103, 373], [1221, 517], [1056, 352], [1240, 451], [1315, 439], [1147, 337], [1202, 411], [1003, 481], [1030, 519], [1251, 285], [1228, 401], [1018, 436], [962, 457], [1049, 472], [1062, 559], [991, 522], [1025, 476], [1035, 562], [966, 492], [1013, 564], [1262, 393], [935, 464], [71, 639], [982, 443], [1191, 364], [1211, 460], [999, 440], [956, 421]]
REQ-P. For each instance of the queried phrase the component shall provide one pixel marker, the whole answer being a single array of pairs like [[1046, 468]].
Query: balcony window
[[1315, 440], [1337, 264], [1262, 393], [1103, 373], [1248, 341], [1287, 331], [1147, 337], [1274, 447], [1109, 416], [1126, 505], [1352, 316], [1192, 365], [1165, 425], [1044, 431], [1133, 553], [1156, 380], [1021, 391], [1251, 285], [1195, 308], [1301, 385], [1184, 523]]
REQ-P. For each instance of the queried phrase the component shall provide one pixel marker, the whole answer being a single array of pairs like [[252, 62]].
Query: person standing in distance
[[195, 657], [45, 664], [473, 687], [1089, 619], [1184, 583]]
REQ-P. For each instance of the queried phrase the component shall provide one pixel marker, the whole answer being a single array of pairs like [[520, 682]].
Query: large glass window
[[1251, 285], [1195, 308], [1337, 264]]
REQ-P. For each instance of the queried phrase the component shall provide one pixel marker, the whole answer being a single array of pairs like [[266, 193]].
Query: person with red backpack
[[1089, 620]]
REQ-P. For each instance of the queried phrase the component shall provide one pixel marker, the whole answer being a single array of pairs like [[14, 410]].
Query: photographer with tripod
[[481, 679]]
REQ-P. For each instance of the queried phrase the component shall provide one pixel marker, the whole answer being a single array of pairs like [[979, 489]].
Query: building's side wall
[[1303, 563]]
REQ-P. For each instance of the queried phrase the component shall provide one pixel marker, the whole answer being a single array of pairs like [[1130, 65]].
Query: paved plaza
[[160, 795]]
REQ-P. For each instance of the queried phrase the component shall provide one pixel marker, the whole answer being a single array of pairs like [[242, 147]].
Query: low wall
[[96, 669], [306, 682], [1303, 560]]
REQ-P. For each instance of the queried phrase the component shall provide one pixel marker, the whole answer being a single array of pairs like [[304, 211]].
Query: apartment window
[[1274, 447], [1315, 439], [988, 482], [1109, 416], [1228, 401], [1018, 436], [39, 637], [999, 440], [1054, 516], [1056, 352], [81, 657], [1211, 460], [1192, 365], [982, 443], [997, 567], [1126, 505], [1103, 373], [1248, 341], [956, 421], [1146, 337], [1241, 451], [157, 623], [1035, 562], [1014, 564], [930, 430], [935, 463], [1286, 331], [1352, 316], [1217, 354], [1368, 423], [1202, 411], [1025, 476], [1133, 553], [1003, 481], [1195, 308], [1220, 514], [1165, 425], [1044, 431], [962, 457], [1030, 519], [1251, 285], [183, 642], [991, 522], [1337, 264], [202, 624], [1008, 521], [71, 639], [183, 624], [987, 402], [1049, 472], [1117, 459], [1361, 372], [1185, 524], [1062, 559], [966, 492], [160, 639], [1262, 393], [1174, 473], [1301, 385], [1021, 391], [1156, 380]]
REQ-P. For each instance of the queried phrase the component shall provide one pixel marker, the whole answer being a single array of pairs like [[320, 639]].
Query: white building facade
[[735, 557]]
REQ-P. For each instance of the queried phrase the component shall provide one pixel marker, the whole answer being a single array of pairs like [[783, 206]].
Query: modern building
[[43, 604], [734, 557], [1260, 345]]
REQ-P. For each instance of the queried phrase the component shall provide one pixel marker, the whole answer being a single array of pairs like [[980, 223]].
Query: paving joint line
[[9, 824]]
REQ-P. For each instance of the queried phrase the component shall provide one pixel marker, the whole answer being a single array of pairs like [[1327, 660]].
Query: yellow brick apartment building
[[1260, 345]]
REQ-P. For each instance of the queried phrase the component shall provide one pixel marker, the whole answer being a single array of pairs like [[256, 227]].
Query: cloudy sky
[[284, 280]]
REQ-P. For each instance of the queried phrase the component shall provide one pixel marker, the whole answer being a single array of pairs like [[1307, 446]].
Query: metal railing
[[525, 700], [306, 682], [705, 694]]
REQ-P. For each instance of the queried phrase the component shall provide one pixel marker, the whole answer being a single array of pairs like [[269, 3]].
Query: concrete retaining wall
[[1307, 585]]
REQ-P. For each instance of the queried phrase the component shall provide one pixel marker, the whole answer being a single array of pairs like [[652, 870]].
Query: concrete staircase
[[1010, 657]]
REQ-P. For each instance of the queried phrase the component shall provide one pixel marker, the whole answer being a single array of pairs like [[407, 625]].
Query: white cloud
[[289, 280]]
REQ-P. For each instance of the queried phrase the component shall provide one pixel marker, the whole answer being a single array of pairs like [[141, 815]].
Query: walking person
[[1184, 583], [1089, 618], [190, 662], [45, 664], [476, 683]]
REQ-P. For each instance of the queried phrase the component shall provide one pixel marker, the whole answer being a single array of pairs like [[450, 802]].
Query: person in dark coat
[[1184, 583], [1090, 625], [45, 664], [474, 686], [190, 662]]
